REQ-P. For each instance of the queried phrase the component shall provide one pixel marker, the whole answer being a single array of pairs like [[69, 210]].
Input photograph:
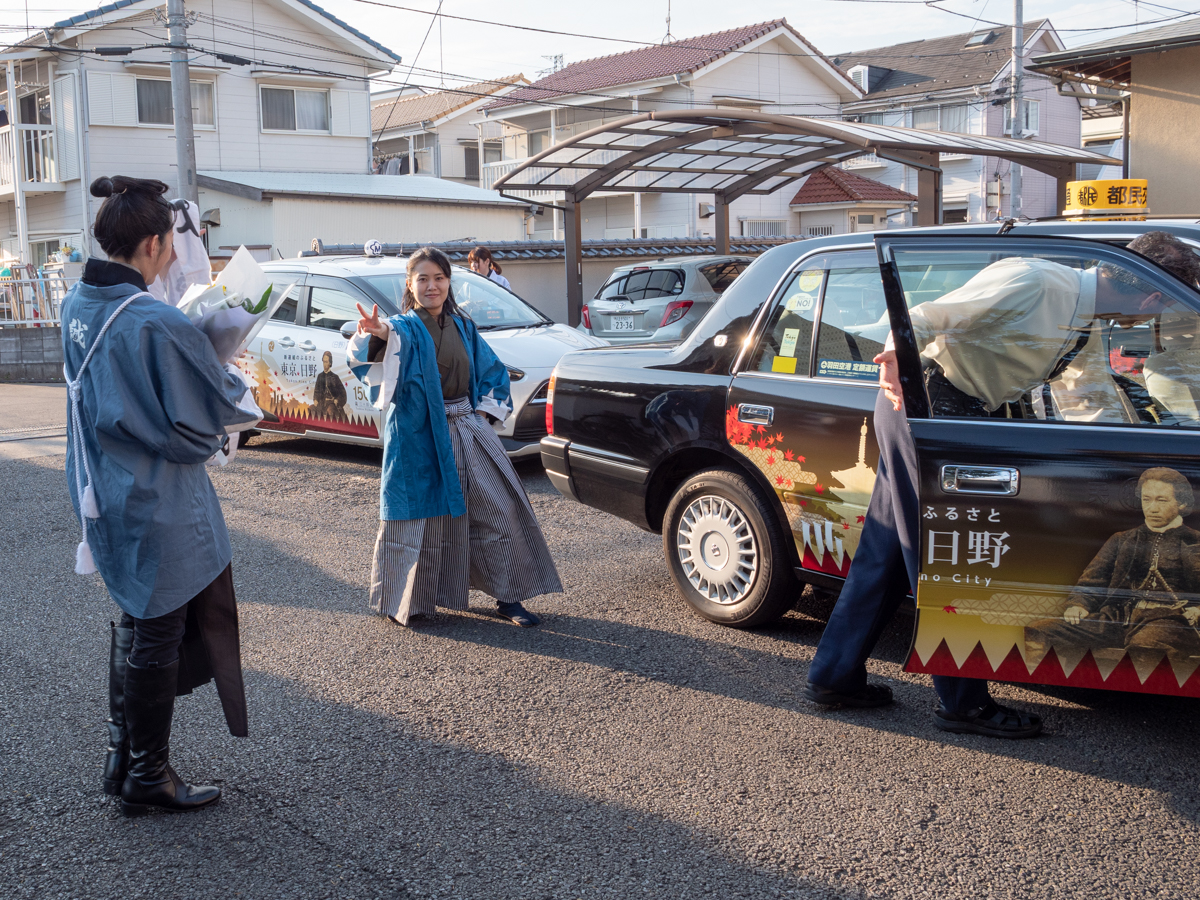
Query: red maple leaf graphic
[[789, 455], [779, 436], [820, 489], [846, 525], [799, 459], [804, 503], [790, 484], [771, 460], [779, 480], [761, 430], [862, 518], [949, 609]]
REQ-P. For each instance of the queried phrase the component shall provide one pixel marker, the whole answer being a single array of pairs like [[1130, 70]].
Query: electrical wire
[[391, 111]]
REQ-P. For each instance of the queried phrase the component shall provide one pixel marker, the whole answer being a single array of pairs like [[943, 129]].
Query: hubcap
[[717, 550]]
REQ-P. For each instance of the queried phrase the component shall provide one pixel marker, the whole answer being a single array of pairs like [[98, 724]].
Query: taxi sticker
[[801, 303], [810, 280], [788, 346], [851, 369], [784, 364]]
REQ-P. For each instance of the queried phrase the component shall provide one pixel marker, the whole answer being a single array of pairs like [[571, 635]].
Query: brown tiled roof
[[937, 64], [660, 61], [418, 108], [833, 185]]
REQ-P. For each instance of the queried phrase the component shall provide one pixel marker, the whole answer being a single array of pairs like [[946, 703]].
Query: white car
[[297, 363]]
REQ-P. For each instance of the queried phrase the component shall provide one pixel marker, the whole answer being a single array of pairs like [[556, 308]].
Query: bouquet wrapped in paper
[[233, 309]]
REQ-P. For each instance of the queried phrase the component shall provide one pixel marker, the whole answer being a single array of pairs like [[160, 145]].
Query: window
[[643, 284], [1052, 335], [34, 108], [288, 109], [854, 319], [786, 343], [330, 308], [820, 230], [471, 163], [954, 216], [1032, 117], [764, 227], [867, 219], [956, 118], [286, 311], [538, 141], [722, 275], [926, 119], [154, 106]]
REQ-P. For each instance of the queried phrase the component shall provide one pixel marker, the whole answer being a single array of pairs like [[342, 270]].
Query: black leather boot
[[117, 762], [151, 782]]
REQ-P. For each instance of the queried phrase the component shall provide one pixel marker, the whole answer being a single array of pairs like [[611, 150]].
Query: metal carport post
[[731, 154]]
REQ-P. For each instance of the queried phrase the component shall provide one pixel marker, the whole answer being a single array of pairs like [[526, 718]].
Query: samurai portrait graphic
[[1141, 592], [329, 394]]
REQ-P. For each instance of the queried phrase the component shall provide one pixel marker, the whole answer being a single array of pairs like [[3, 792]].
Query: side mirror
[[349, 329]]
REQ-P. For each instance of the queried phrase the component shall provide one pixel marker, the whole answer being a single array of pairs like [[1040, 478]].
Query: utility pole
[[1018, 64], [181, 101]]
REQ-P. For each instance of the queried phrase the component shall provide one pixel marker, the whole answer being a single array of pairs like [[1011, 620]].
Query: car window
[[854, 319], [1052, 336], [280, 281], [721, 275], [786, 342], [331, 308], [644, 284], [488, 304]]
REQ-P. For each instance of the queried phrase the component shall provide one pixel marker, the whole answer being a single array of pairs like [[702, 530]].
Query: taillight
[[587, 318], [550, 403], [676, 310]]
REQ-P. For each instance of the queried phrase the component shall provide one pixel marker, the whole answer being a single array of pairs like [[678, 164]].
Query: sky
[[450, 51]]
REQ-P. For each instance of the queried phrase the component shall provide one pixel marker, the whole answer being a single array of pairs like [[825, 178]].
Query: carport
[[732, 154]]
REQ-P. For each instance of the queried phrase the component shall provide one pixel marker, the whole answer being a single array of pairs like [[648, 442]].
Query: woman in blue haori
[[453, 513], [149, 403]]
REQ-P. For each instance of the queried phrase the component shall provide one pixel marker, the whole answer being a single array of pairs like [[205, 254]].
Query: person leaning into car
[[995, 340]]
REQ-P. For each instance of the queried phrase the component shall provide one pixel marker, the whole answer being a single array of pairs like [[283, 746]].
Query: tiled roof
[[833, 185], [593, 249], [121, 4], [660, 61], [936, 64], [1139, 40], [421, 107]]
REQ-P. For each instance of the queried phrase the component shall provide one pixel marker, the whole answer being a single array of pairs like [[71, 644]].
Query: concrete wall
[[31, 354], [1164, 129], [543, 282]]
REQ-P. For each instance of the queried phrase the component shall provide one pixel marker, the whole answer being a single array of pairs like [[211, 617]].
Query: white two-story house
[[768, 67], [961, 83], [277, 86]]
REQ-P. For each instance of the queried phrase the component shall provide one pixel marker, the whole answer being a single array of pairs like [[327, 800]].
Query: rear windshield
[[642, 284], [722, 275]]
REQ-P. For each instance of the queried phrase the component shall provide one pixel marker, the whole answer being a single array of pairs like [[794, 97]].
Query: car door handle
[[286, 342], [755, 415], [307, 345], [1001, 480]]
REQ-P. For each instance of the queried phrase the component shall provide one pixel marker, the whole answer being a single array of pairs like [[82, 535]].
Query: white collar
[[1174, 523]]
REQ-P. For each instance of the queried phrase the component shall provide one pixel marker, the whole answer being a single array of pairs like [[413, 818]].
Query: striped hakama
[[497, 547]]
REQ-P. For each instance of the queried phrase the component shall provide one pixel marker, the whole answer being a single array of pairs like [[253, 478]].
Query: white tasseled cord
[[88, 507]]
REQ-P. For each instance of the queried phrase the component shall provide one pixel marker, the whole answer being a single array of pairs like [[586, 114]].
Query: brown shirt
[[454, 366]]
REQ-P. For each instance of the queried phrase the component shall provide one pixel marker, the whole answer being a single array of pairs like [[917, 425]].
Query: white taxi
[[297, 363]]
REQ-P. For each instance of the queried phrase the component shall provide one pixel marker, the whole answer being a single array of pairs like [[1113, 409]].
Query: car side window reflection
[[786, 343], [286, 311], [1051, 337], [331, 308], [854, 323]]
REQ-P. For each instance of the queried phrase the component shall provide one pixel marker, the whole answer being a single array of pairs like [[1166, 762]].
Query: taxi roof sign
[[1125, 197]]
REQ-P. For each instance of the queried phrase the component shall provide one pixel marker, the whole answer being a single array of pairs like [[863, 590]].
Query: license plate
[[620, 323]]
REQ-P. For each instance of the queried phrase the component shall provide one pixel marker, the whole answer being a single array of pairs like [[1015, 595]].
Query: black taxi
[[749, 446]]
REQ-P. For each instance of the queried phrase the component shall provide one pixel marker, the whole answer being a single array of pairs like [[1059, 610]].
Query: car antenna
[[1007, 225]]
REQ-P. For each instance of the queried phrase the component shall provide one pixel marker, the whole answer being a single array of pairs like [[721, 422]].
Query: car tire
[[727, 554]]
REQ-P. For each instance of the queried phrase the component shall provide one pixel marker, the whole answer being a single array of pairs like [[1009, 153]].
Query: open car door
[[1058, 541]]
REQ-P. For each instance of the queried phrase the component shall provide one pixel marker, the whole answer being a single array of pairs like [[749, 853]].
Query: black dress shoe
[[869, 696], [992, 720], [169, 793], [518, 615]]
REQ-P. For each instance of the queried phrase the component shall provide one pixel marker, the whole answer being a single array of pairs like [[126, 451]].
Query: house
[[279, 214], [433, 134], [768, 67], [277, 86], [837, 201], [961, 83], [1155, 75]]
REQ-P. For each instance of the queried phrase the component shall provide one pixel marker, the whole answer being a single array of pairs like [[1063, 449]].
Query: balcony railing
[[37, 153], [866, 161], [493, 171]]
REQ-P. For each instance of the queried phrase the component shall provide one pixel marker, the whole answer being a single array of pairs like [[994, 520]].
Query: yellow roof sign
[[1127, 196]]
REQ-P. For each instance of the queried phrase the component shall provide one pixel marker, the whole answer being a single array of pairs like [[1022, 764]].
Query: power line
[[387, 121]]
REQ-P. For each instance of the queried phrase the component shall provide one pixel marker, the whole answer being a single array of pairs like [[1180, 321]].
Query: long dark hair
[[485, 254], [442, 261], [133, 210]]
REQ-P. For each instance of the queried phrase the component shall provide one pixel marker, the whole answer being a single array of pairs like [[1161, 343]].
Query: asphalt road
[[625, 749]]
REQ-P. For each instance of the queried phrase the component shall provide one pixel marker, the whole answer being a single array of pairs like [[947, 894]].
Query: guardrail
[[32, 302]]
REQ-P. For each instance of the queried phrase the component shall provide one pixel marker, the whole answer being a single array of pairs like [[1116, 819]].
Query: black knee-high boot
[[117, 761], [151, 782]]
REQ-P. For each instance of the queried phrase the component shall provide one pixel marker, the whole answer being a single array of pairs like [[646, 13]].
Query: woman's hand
[[889, 378], [370, 322]]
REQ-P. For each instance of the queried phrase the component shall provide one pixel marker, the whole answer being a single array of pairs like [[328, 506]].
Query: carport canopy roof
[[733, 153]]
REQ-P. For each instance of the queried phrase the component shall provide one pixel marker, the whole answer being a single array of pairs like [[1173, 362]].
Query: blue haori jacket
[[420, 478], [154, 405]]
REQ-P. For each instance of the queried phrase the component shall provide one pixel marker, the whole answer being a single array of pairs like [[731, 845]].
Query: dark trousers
[[885, 567], [156, 641]]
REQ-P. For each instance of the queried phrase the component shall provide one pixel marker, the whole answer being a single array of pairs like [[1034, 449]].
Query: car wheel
[[246, 436], [726, 553]]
